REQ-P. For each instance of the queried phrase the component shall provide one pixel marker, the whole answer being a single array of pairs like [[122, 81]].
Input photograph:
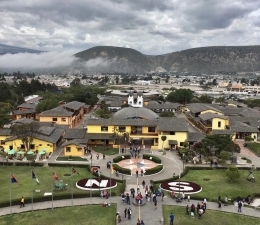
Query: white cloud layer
[[149, 26]]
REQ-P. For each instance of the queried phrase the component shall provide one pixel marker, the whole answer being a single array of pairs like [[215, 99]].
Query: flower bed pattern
[[181, 186], [96, 184]]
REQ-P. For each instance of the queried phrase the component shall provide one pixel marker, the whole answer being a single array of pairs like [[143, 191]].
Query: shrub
[[249, 138], [119, 158], [68, 165], [121, 169], [224, 155], [154, 158], [232, 173], [154, 170]]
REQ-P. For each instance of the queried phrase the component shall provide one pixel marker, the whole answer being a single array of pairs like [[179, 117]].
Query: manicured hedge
[[154, 170], [28, 164], [154, 158], [121, 170], [69, 165], [119, 158]]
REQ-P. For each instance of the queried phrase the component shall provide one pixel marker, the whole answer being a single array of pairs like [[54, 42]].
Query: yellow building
[[46, 138], [69, 114], [139, 126], [74, 147]]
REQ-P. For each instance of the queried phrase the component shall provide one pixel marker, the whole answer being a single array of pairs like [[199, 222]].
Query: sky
[[152, 27]]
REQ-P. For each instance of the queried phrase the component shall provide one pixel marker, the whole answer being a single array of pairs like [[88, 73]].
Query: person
[[143, 183], [129, 212], [101, 194], [219, 203], [187, 210], [136, 173], [226, 201], [183, 196], [162, 196], [117, 173], [97, 156], [239, 206], [123, 198], [125, 212], [171, 219], [142, 172], [200, 213], [192, 210], [211, 163], [155, 204], [104, 156], [205, 202], [188, 197], [198, 207], [22, 202], [105, 194], [138, 222], [248, 199], [128, 199], [142, 222], [118, 217], [132, 192], [173, 194]]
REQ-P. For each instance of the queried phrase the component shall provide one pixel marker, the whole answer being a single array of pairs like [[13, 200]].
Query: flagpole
[[72, 173], [52, 191], [10, 194], [110, 186], [32, 188]]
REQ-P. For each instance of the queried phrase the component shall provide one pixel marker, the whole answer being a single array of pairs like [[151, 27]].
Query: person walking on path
[[136, 173], [129, 212], [155, 203], [162, 196], [104, 156], [97, 156], [171, 219], [143, 183], [22, 202], [125, 212], [239, 206], [187, 210]]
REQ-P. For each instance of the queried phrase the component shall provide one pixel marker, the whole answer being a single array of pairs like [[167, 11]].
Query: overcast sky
[[149, 26]]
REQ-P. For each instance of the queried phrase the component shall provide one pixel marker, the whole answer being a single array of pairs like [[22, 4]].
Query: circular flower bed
[[181, 186], [96, 184]]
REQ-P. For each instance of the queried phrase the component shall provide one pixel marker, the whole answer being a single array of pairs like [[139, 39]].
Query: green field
[[69, 159], [220, 184], [87, 215], [211, 217], [255, 147], [105, 150], [44, 174]]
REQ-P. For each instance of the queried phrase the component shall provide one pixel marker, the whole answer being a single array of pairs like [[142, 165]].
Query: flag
[[112, 169], [74, 171], [55, 176], [13, 180], [34, 177]]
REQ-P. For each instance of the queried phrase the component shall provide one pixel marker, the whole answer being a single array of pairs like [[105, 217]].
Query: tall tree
[[26, 133], [182, 96]]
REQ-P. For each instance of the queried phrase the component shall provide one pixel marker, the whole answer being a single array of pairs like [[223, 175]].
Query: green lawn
[[87, 215], [211, 217], [74, 158], [220, 184], [107, 151], [44, 174], [254, 146]]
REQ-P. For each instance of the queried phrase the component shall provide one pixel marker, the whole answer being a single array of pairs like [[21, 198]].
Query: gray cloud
[[149, 26]]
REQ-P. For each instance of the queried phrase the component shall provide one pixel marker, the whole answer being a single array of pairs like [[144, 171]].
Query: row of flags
[[54, 175]]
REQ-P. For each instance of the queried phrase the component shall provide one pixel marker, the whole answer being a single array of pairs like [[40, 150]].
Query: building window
[[54, 119], [172, 132], [219, 124], [181, 143], [79, 149], [32, 146], [121, 129], [104, 128], [22, 146], [68, 149], [151, 129], [63, 119]]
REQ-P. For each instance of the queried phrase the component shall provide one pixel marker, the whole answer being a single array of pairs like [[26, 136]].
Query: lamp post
[[183, 155], [125, 144]]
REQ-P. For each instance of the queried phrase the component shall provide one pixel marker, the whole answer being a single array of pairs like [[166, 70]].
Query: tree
[[163, 138], [5, 108], [198, 146], [75, 82], [47, 104], [232, 173], [205, 99], [26, 133], [219, 142], [224, 155], [181, 96], [166, 114]]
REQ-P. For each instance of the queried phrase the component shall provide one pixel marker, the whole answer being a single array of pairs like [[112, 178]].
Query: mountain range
[[7, 49], [127, 60]]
